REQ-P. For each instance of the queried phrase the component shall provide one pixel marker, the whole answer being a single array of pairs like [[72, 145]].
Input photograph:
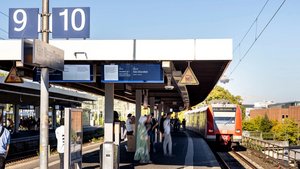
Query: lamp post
[[44, 98]]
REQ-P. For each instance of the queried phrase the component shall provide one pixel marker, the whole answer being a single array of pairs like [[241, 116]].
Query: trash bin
[[109, 155]]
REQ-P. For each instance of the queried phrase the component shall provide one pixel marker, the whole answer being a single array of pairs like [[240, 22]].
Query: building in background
[[248, 108], [279, 111]]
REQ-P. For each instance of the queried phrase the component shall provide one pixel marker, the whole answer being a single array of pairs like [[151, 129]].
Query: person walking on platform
[[161, 126], [60, 136], [142, 152], [167, 136], [4, 143], [151, 132], [128, 125], [183, 124]]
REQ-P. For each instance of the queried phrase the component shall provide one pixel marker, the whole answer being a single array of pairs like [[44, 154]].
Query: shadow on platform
[[178, 160], [192, 151]]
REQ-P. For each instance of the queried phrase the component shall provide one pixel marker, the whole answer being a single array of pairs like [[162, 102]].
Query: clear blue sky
[[270, 71]]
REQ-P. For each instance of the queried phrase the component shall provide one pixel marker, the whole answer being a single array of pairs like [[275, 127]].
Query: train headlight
[[238, 130], [210, 130]]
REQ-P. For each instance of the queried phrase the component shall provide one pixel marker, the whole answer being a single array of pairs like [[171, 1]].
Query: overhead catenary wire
[[3, 14], [1, 28], [255, 21], [257, 37]]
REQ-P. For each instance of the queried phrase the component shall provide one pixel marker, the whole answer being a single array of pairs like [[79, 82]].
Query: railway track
[[20, 151], [233, 160]]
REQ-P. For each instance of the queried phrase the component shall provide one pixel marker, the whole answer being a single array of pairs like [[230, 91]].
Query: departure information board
[[132, 73]]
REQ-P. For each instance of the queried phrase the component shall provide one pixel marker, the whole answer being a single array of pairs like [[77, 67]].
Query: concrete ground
[[190, 151]]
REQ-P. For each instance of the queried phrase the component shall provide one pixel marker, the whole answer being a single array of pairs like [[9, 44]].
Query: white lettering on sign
[[22, 21], [73, 19]]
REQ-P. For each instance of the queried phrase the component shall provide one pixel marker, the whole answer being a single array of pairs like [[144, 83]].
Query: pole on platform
[[44, 98], [152, 104], [138, 104], [109, 112], [17, 118]]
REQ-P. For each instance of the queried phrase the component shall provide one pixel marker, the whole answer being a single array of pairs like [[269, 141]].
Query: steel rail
[[244, 160]]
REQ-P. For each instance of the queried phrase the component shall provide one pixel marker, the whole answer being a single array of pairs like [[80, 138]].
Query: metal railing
[[282, 154]]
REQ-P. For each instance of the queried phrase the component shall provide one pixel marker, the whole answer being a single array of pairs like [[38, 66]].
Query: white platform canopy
[[208, 59]]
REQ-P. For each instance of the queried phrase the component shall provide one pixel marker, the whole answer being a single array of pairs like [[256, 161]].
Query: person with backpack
[[4, 143]]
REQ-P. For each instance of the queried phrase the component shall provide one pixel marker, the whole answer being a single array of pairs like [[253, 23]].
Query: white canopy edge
[[140, 50]]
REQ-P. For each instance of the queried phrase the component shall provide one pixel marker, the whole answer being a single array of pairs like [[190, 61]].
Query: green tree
[[3, 74], [265, 124], [252, 124], [219, 93], [286, 131], [249, 125]]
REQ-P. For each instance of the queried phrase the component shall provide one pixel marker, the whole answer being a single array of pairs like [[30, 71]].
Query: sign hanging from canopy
[[188, 77], [13, 77]]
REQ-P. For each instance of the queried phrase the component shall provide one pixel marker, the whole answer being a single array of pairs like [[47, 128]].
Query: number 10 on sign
[[71, 22]]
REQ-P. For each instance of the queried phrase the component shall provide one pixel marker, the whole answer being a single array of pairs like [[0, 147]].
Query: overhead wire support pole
[[44, 98]]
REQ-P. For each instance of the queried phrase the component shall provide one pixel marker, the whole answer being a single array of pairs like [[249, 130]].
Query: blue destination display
[[71, 73], [132, 73]]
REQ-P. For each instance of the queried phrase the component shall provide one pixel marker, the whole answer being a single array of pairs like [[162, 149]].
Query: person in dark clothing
[[151, 132], [183, 124], [161, 126], [116, 116]]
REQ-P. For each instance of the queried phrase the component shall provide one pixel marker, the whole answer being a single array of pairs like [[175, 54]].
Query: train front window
[[224, 117], [225, 120]]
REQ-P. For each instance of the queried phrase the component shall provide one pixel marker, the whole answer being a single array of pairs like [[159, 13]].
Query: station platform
[[190, 151]]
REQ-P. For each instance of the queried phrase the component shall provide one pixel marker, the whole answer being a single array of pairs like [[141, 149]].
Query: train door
[[210, 132]]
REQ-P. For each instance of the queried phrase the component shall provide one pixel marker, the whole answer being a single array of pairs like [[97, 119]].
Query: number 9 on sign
[[71, 22], [23, 23]]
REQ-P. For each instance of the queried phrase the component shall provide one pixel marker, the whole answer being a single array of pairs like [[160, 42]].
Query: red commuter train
[[220, 123]]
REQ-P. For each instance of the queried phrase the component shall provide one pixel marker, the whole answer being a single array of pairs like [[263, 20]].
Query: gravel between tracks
[[260, 159]]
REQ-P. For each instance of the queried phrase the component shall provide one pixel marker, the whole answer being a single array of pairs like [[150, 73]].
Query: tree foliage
[[3, 74], [286, 131], [262, 124], [265, 124], [219, 93], [252, 124]]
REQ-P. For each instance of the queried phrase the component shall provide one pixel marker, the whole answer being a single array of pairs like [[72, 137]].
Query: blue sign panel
[[71, 22], [71, 73], [132, 73], [23, 23]]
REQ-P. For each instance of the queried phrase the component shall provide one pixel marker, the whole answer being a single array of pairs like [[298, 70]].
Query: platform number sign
[[71, 22], [23, 23], [66, 23]]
